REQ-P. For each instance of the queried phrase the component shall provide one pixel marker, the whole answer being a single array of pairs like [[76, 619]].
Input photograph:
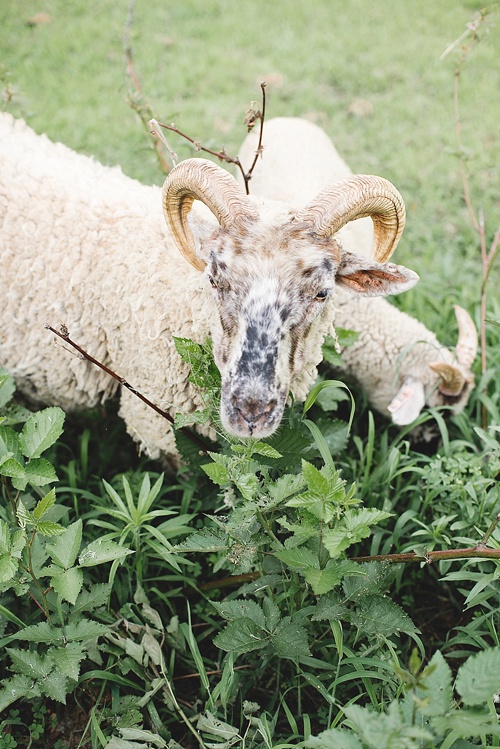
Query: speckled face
[[267, 299]]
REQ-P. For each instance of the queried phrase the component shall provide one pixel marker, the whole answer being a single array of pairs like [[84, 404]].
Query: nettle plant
[[42, 561]]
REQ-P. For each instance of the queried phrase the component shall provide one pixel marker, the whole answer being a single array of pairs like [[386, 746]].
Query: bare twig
[[472, 35], [253, 115], [63, 333], [480, 552]]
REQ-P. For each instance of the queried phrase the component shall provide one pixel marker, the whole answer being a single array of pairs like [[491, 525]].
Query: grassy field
[[374, 77], [370, 75]]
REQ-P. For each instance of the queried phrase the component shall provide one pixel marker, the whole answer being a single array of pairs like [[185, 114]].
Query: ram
[[82, 245], [400, 364]]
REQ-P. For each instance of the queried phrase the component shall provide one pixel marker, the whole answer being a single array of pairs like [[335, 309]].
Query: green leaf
[[241, 636], [30, 663], [206, 540], [41, 632], [218, 473], [12, 468], [9, 443], [435, 690], [40, 472], [379, 616], [56, 686], [41, 431], [44, 504], [290, 641], [334, 738], [239, 609], [298, 558], [84, 629], [97, 596], [101, 551], [68, 659], [467, 723], [16, 687], [316, 481], [48, 528], [7, 387], [248, 484], [64, 549], [68, 584], [478, 679], [8, 568], [323, 581]]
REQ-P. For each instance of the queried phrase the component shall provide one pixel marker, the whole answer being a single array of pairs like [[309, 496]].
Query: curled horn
[[199, 179], [453, 378], [466, 348], [356, 197]]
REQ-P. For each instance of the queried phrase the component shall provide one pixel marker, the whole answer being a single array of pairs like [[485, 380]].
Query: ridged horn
[[199, 179], [452, 380], [466, 348], [356, 197]]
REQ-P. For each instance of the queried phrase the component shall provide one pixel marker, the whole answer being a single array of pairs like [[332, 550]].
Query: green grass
[[200, 64]]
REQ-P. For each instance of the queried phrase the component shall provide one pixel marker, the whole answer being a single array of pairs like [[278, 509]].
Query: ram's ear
[[369, 278], [203, 226]]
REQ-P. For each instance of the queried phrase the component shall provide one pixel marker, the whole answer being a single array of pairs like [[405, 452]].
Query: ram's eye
[[213, 282], [321, 295]]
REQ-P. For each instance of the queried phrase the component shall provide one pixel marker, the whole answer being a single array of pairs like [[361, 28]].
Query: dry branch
[[64, 335]]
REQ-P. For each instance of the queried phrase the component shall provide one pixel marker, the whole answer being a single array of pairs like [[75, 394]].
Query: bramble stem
[[479, 551], [65, 337]]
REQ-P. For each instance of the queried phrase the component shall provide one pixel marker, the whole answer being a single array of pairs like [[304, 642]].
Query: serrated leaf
[[101, 551], [380, 616], [9, 443], [13, 469], [478, 679], [467, 723], [437, 693], [41, 632], [24, 517], [30, 663], [8, 568], [85, 629], [334, 738], [248, 484], [205, 540], [48, 528], [316, 481], [7, 387], [241, 636], [44, 504], [141, 734], [40, 472], [239, 609], [14, 688], [299, 558], [217, 473], [64, 549], [267, 451], [98, 595], [41, 431], [56, 686], [68, 584], [323, 581], [290, 641], [68, 659]]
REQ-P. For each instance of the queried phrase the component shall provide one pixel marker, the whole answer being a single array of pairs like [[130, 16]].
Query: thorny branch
[[63, 333], [253, 116], [468, 39]]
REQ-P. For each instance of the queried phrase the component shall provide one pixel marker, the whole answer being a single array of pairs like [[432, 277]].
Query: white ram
[[400, 363], [83, 245]]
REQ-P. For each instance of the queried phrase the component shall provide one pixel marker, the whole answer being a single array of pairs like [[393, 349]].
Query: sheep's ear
[[203, 225], [369, 278]]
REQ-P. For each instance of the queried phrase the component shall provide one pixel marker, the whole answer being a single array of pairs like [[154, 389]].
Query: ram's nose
[[254, 417]]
